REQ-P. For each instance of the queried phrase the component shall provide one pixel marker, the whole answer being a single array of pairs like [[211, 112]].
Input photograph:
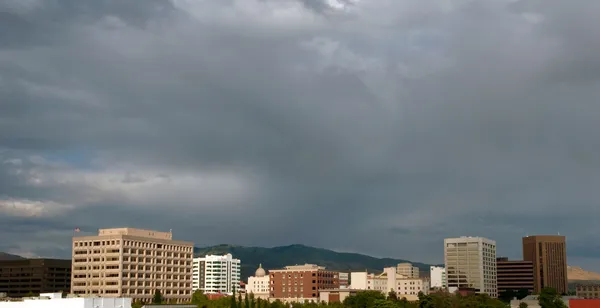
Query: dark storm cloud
[[413, 121]]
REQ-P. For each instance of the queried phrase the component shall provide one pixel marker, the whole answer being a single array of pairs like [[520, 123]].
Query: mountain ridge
[[280, 256], [7, 256]]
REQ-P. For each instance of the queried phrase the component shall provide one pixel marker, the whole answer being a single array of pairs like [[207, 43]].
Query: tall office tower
[[216, 274], [127, 262], [471, 264], [408, 270], [548, 253]]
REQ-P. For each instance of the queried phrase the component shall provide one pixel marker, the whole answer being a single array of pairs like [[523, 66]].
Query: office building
[[548, 253], [437, 277], [55, 300], [24, 277], [259, 284], [514, 275], [407, 270], [301, 283], [471, 264], [127, 262], [588, 291], [215, 274]]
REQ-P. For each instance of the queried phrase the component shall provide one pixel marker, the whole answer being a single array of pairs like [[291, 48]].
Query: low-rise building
[[259, 284], [300, 283], [336, 295], [532, 301], [584, 303], [19, 278], [55, 300], [389, 280], [590, 291]]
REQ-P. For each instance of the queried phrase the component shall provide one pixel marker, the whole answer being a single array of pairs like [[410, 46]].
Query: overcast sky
[[371, 126]]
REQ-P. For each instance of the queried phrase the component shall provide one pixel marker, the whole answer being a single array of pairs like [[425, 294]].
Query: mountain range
[[278, 257]]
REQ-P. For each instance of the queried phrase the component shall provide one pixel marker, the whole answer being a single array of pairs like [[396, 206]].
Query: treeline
[[549, 298]]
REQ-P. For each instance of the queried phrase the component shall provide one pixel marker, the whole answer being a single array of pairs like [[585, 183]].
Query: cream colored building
[[259, 284], [471, 263], [389, 280], [408, 270], [127, 262]]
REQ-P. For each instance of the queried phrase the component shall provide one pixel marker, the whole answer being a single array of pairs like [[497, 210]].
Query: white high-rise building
[[437, 275], [471, 263], [216, 274]]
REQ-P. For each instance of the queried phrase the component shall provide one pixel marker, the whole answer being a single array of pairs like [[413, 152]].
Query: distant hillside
[[278, 257], [575, 273], [7, 256]]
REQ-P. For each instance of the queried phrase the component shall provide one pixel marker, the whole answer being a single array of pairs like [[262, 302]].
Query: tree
[[233, 302], [252, 301], [137, 304], [549, 298], [246, 301], [523, 305], [363, 299], [158, 298], [392, 295]]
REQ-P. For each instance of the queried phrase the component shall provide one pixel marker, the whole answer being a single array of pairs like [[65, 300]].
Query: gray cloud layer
[[386, 125]]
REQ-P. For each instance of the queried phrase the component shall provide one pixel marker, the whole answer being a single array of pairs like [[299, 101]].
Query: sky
[[371, 126]]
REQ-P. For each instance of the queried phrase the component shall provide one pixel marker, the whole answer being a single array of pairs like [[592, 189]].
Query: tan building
[[127, 262], [591, 291], [407, 270], [259, 284], [471, 264], [300, 283], [548, 253]]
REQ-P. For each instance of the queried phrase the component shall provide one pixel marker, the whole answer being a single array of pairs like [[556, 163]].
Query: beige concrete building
[[407, 270], [471, 264], [127, 262], [259, 284]]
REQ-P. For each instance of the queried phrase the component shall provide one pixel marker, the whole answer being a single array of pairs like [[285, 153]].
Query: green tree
[[246, 301], [392, 296], [252, 301], [233, 302], [523, 305], [363, 299], [158, 298], [137, 304], [549, 298]]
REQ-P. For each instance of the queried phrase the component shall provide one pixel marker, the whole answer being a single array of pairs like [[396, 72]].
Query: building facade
[[514, 275], [134, 263], [437, 277], [259, 284], [301, 283], [389, 280], [216, 274], [344, 280], [19, 278], [55, 300], [590, 291], [407, 270], [548, 253], [471, 264]]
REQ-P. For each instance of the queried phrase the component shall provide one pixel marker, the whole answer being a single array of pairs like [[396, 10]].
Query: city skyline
[[378, 127]]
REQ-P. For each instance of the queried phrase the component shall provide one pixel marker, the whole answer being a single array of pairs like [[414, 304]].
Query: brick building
[[514, 275], [548, 253], [591, 291], [301, 282]]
